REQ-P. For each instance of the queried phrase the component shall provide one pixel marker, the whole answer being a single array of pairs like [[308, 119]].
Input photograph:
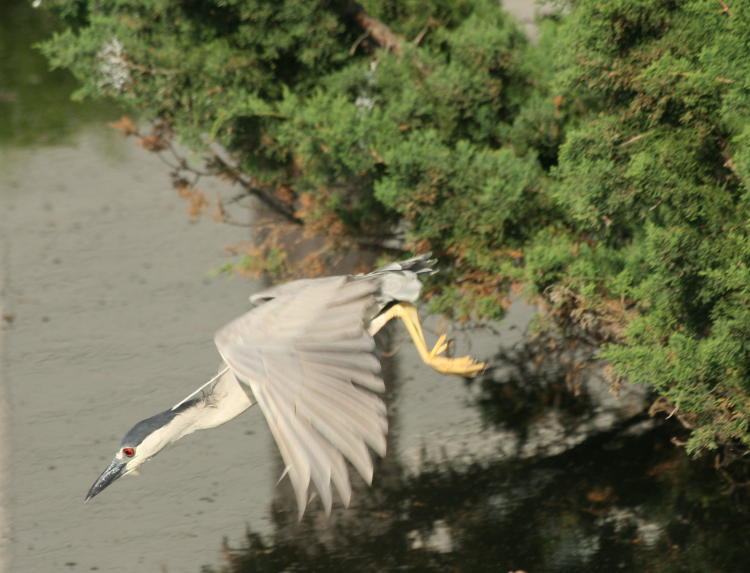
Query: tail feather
[[421, 264]]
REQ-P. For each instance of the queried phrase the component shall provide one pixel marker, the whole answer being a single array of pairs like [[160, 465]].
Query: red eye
[[129, 452]]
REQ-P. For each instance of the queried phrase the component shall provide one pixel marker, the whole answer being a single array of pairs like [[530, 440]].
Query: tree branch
[[249, 183], [373, 27]]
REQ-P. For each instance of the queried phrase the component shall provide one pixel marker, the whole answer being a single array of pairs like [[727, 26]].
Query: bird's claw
[[462, 366], [440, 346]]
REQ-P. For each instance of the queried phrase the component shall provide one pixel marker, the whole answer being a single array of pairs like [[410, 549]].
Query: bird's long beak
[[115, 469]]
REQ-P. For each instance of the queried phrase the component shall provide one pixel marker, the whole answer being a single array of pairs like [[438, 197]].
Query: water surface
[[109, 309]]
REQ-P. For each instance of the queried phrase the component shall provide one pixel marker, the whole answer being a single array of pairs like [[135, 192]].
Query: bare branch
[[264, 193]]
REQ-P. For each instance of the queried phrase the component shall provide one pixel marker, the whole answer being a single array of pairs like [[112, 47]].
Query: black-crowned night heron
[[305, 354]]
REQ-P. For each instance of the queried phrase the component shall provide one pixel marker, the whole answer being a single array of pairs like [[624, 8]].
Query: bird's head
[[142, 442]]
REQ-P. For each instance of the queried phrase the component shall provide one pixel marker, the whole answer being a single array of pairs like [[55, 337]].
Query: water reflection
[[622, 498], [635, 505], [35, 104], [549, 394]]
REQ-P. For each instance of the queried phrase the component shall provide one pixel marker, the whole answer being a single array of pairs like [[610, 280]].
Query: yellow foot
[[463, 366]]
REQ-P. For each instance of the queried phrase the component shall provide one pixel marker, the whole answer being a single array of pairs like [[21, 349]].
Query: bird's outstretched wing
[[310, 363]]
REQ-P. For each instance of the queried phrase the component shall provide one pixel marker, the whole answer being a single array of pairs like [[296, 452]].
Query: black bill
[[113, 471]]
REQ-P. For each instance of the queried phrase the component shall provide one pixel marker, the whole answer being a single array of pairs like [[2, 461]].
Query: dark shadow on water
[[620, 499], [531, 378], [613, 504]]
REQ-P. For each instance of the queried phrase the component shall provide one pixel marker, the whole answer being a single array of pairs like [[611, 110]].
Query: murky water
[[109, 310]]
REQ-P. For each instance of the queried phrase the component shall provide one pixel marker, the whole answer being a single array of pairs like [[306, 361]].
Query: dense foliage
[[652, 177], [604, 167]]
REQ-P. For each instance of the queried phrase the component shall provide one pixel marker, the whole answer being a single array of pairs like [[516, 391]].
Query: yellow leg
[[463, 366]]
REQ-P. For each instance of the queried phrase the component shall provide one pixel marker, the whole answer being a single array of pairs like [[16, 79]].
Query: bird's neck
[[222, 401]]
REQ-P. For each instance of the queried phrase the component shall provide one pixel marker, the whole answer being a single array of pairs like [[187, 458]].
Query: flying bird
[[305, 354]]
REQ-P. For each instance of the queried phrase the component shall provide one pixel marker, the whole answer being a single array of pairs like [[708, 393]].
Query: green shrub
[[604, 167]]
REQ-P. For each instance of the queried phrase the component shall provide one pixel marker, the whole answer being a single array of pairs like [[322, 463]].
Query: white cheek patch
[[155, 442]]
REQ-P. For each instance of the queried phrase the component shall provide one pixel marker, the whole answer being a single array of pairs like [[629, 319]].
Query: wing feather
[[366, 379], [307, 356], [347, 419]]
